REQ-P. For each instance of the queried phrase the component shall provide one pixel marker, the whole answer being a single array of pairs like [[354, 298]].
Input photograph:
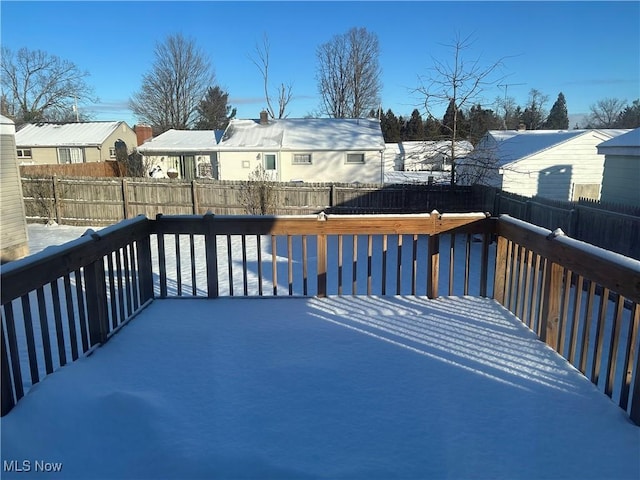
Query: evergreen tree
[[390, 127], [454, 119], [481, 121], [415, 127], [558, 118], [630, 116], [431, 129], [213, 111]]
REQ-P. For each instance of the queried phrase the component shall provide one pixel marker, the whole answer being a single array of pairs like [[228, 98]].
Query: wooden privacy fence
[[581, 300], [94, 202], [613, 227]]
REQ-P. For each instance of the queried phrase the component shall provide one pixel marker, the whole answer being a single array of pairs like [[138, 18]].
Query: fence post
[[6, 399], [211, 254], [433, 259], [551, 300], [125, 198], [56, 199], [194, 197], [96, 288]]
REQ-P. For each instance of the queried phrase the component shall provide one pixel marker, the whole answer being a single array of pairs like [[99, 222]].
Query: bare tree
[[605, 112], [349, 74], [456, 86], [38, 86], [258, 195], [172, 90], [534, 113], [285, 91]]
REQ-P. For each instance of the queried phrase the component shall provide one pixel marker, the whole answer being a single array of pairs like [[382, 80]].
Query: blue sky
[[587, 50]]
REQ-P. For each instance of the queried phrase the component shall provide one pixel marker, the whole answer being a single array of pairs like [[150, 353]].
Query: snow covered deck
[[337, 387]]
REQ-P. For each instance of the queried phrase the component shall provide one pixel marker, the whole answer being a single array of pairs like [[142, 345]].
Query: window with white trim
[[301, 159], [70, 155], [355, 157], [112, 152], [24, 153]]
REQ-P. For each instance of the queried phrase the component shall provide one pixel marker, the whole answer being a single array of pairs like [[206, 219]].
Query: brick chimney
[[264, 117], [143, 133]]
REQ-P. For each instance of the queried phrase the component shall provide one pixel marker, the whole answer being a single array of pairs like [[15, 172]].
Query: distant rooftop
[[183, 141], [66, 134], [304, 134]]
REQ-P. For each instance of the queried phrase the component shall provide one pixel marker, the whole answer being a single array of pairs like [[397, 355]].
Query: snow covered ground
[[343, 387]]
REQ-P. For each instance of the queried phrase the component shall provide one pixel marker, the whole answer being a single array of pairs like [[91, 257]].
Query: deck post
[[96, 289], [551, 300], [433, 259], [211, 252], [322, 259], [500, 275], [145, 268], [7, 401]]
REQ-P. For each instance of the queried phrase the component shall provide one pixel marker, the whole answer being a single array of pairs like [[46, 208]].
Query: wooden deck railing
[[583, 301]]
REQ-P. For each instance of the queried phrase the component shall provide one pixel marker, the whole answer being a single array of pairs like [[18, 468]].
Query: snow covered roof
[[66, 134], [511, 145], [627, 144], [183, 141], [304, 134]]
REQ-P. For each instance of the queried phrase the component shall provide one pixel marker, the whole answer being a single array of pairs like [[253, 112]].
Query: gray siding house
[[621, 176], [13, 231]]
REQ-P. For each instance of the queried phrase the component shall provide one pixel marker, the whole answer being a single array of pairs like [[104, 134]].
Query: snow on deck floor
[[351, 387]]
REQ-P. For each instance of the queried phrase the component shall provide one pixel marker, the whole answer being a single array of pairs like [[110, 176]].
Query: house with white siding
[[556, 164], [13, 233], [74, 142], [189, 154], [621, 175], [303, 149], [423, 156]]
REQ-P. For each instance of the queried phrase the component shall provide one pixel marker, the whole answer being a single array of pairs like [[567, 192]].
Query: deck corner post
[[211, 255], [96, 289], [7, 402]]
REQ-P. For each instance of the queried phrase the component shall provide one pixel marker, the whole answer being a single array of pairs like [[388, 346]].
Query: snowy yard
[[341, 387]]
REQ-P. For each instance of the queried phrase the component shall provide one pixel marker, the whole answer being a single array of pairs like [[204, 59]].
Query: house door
[[271, 166], [188, 167]]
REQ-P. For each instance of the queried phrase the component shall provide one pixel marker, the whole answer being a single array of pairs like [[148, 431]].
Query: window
[[355, 157], [112, 152], [70, 155], [269, 161], [301, 159], [24, 153]]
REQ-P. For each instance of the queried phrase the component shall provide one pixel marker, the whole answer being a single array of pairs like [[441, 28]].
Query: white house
[[557, 164], [308, 150], [75, 142], [419, 156], [189, 153], [621, 176], [13, 234]]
